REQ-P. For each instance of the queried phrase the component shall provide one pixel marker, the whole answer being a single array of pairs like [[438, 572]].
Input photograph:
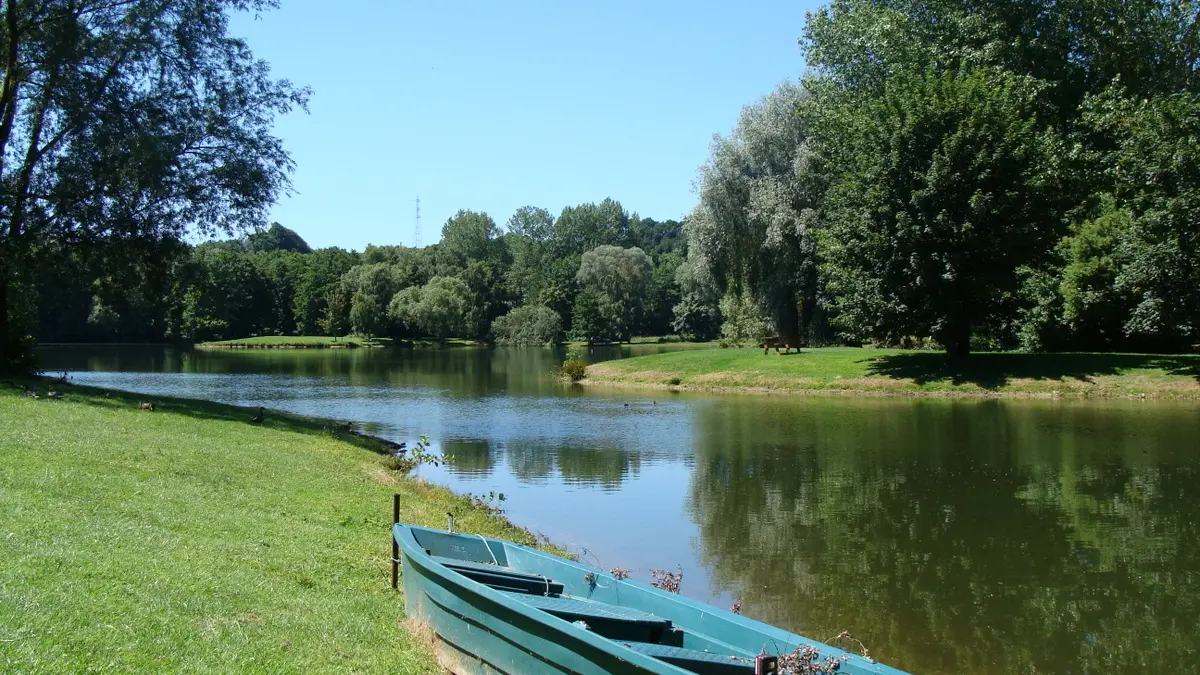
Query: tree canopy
[[128, 121]]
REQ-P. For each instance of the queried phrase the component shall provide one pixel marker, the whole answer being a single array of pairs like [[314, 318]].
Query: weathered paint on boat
[[480, 629]]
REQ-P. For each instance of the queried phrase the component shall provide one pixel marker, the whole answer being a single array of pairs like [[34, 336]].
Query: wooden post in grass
[[395, 546]]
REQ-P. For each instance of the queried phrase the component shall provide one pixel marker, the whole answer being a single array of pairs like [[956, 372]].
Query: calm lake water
[[949, 536]]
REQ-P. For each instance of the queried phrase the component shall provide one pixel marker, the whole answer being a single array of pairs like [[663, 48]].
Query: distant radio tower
[[417, 227]]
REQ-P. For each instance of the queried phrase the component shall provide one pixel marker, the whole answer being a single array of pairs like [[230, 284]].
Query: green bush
[[528, 325], [575, 367]]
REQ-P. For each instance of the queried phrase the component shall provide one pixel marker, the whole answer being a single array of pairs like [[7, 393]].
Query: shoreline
[[204, 345], [875, 373], [880, 393]]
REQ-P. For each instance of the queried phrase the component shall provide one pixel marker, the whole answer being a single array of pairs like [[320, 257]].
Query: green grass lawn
[[892, 371], [186, 539], [296, 342]]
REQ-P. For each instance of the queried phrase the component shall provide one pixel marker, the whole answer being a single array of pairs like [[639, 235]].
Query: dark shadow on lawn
[[992, 370], [165, 405]]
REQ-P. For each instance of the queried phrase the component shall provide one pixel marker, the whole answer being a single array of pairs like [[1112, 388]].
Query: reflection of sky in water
[[602, 478], [951, 536]]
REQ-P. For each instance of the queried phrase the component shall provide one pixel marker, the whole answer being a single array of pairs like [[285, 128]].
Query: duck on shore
[[258, 417]]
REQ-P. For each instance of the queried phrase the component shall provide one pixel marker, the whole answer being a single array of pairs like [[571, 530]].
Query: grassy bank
[[884, 371], [295, 342], [186, 539]]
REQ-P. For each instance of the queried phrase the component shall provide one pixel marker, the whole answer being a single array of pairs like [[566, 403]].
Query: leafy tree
[[1155, 181], [1076, 47], [760, 193], [487, 295], [223, 296], [944, 191], [530, 230], [697, 316], [658, 237], [744, 324], [437, 309], [280, 270], [335, 315], [319, 273], [662, 294], [533, 223], [128, 121], [276, 238], [595, 318], [380, 279], [1094, 308], [528, 325], [465, 237], [620, 276], [411, 266], [368, 316], [584, 227]]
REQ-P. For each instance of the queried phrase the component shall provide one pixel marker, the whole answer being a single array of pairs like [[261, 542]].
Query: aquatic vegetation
[[668, 581]]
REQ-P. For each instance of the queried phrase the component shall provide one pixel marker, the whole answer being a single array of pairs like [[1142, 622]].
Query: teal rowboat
[[499, 607]]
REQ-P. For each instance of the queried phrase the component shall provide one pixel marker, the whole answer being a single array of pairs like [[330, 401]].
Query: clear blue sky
[[494, 105]]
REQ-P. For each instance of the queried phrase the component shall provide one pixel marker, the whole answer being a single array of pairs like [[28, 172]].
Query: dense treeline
[[1000, 174], [596, 273], [948, 173]]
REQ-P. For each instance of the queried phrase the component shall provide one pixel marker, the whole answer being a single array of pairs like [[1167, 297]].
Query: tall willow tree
[[752, 232], [128, 121]]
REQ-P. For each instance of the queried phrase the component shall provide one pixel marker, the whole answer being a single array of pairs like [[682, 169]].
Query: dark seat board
[[703, 663]]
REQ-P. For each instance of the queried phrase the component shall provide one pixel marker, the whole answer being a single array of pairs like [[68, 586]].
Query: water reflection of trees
[[957, 537], [606, 468]]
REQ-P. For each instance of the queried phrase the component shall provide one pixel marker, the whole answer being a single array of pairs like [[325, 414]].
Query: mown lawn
[[187, 539], [890, 371]]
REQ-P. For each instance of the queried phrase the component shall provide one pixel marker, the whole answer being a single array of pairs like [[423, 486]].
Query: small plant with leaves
[[668, 581], [416, 456], [574, 368], [492, 503]]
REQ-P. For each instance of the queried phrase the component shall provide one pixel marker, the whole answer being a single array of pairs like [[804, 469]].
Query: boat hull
[[584, 621], [478, 635]]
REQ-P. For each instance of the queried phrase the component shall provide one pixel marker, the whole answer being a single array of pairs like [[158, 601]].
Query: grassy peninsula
[[186, 539], [326, 342], [920, 373], [294, 342]]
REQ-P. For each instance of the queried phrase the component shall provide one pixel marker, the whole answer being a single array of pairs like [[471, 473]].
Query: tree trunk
[[6, 341], [957, 340], [789, 324]]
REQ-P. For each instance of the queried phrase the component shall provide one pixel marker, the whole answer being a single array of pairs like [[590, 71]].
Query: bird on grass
[[258, 418], [54, 394], [29, 393], [144, 405]]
